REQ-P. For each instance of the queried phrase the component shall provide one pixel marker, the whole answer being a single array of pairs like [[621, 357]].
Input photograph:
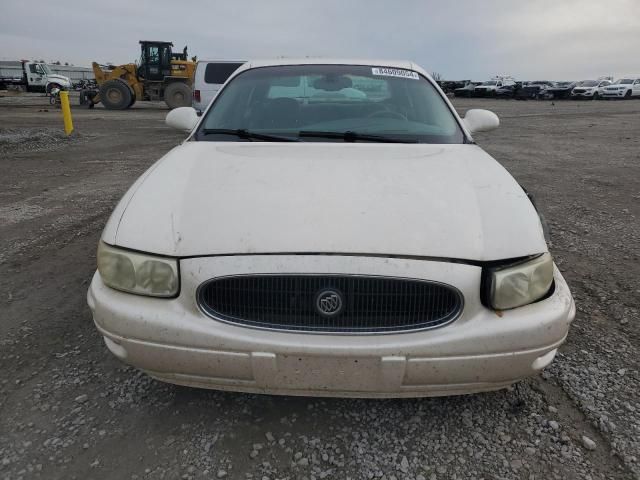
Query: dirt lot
[[69, 409]]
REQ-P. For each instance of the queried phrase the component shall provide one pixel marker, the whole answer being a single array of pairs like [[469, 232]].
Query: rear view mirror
[[478, 120], [333, 83], [182, 118]]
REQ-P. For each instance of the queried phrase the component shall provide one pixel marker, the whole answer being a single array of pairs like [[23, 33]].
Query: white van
[[209, 76]]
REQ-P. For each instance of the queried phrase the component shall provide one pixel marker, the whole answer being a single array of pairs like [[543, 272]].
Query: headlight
[[138, 272], [513, 286]]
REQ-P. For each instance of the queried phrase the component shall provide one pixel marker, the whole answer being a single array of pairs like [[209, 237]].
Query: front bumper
[[174, 341], [583, 94], [616, 94]]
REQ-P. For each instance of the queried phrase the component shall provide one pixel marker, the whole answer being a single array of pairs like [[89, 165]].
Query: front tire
[[596, 96], [51, 86], [627, 95], [177, 94], [116, 94]]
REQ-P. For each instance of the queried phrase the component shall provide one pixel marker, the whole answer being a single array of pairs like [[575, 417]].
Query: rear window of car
[[218, 73]]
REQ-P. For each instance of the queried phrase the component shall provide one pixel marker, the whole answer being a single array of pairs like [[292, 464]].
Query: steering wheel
[[387, 114]]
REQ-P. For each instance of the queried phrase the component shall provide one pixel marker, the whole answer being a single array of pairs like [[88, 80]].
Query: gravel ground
[[14, 140], [68, 409]]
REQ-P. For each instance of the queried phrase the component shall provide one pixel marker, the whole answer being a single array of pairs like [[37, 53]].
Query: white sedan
[[309, 241]]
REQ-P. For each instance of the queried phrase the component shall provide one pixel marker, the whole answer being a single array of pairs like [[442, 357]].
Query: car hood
[[58, 78], [208, 198]]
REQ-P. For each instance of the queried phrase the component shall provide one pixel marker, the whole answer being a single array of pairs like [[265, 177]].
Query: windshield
[[624, 81], [489, 83], [588, 83], [294, 101], [45, 68]]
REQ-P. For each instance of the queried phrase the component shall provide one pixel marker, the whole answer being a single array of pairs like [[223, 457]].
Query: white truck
[[34, 77], [489, 88]]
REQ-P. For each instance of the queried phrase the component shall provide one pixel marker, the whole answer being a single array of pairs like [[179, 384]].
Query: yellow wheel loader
[[161, 75]]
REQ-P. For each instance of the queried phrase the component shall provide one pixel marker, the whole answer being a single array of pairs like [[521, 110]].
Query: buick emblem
[[329, 302]]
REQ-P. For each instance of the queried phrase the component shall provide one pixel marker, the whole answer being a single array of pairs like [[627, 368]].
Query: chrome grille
[[368, 304]]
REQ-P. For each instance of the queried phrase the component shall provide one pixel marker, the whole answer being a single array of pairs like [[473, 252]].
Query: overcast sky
[[461, 39]]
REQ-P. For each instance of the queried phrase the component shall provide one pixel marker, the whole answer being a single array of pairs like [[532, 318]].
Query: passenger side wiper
[[350, 136], [248, 134]]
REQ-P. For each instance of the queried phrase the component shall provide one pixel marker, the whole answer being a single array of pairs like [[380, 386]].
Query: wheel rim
[[114, 95]]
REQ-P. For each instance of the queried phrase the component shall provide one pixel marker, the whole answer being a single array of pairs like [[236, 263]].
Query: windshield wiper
[[350, 136], [248, 134]]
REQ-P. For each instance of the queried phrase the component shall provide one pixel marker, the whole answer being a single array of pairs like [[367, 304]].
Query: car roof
[[330, 61], [406, 64], [403, 64], [221, 61]]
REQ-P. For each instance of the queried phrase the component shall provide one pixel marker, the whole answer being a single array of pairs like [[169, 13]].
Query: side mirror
[[182, 118], [478, 120]]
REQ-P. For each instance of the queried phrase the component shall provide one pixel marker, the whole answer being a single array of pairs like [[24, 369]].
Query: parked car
[[331, 247], [450, 86], [623, 88], [489, 88], [589, 89], [508, 91], [561, 90], [209, 76], [535, 90], [467, 91]]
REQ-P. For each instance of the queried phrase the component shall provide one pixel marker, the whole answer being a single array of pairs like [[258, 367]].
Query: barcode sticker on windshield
[[395, 72]]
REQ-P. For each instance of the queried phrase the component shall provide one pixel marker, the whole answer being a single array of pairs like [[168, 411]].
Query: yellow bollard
[[66, 112]]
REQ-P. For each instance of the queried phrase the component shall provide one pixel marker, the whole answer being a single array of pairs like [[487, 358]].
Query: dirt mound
[[15, 140]]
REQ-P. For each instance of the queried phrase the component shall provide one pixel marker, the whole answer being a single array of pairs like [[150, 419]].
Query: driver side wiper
[[350, 136], [248, 134]]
